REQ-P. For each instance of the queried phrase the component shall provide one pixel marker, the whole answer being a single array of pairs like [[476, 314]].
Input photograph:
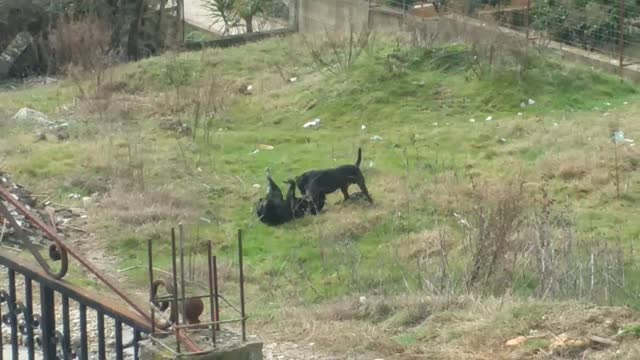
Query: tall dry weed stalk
[[338, 50]]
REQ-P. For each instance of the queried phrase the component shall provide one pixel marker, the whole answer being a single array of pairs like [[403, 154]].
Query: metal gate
[[36, 325]]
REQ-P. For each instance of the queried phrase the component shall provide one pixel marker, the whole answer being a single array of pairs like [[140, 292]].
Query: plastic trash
[[363, 127], [531, 102], [618, 137], [376, 138], [312, 124], [489, 118], [472, 120]]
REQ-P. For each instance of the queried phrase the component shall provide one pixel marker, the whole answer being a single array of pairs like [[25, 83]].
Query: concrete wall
[[320, 15]]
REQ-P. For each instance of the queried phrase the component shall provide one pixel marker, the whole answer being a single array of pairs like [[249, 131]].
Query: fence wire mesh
[[609, 28]]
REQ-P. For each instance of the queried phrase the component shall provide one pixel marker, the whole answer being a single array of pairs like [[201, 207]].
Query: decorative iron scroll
[[57, 252]]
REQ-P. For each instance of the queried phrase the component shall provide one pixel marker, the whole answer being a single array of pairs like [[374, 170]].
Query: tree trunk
[[133, 46], [248, 20]]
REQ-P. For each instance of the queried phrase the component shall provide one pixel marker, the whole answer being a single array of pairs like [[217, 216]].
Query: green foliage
[[232, 12], [587, 23]]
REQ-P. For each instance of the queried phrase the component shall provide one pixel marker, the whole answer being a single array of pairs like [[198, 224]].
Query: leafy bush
[[587, 23]]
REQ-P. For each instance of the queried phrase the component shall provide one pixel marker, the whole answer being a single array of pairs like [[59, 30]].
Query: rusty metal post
[[212, 315], [215, 290], [174, 271], [182, 282], [241, 270], [621, 39], [153, 310], [527, 11]]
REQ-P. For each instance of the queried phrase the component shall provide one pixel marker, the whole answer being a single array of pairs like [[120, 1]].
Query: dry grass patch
[[147, 207]]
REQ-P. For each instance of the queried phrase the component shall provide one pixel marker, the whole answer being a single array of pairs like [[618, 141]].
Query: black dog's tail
[[359, 157]]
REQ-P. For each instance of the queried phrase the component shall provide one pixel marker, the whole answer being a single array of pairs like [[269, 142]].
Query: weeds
[[337, 52]]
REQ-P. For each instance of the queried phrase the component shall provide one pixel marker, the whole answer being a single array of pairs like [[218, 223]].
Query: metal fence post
[[621, 39], [48, 322], [526, 18]]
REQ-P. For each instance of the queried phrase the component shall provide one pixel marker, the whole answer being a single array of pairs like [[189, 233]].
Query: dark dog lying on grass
[[275, 209], [316, 184]]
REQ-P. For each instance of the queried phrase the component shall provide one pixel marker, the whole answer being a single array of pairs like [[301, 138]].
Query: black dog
[[275, 209], [316, 184], [302, 206]]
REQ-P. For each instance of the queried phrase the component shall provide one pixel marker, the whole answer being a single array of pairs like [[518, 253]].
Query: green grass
[[420, 104]]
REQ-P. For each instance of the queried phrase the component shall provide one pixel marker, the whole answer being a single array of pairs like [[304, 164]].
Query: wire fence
[[609, 29]]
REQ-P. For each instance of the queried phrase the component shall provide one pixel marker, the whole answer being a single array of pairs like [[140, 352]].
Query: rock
[[40, 136], [11, 54], [27, 115], [87, 201], [603, 341], [517, 341], [62, 135], [563, 343]]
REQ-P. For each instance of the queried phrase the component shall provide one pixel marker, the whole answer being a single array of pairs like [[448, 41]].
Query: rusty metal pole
[[211, 293], [174, 271], [526, 19], [153, 311], [241, 269], [621, 39], [182, 282], [215, 290]]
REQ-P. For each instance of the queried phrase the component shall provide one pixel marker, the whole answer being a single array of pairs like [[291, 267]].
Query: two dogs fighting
[[314, 186]]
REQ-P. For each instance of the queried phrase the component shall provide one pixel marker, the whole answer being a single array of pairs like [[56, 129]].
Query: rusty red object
[[65, 249]]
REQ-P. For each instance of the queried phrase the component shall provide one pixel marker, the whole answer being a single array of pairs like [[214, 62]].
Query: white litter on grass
[[626, 103], [255, 152], [607, 104], [265, 147], [489, 118], [618, 137], [370, 163], [75, 196], [531, 101], [376, 138], [519, 114], [523, 105], [293, 79], [363, 127], [435, 124], [312, 124], [472, 120], [363, 299], [249, 88], [257, 186], [555, 124]]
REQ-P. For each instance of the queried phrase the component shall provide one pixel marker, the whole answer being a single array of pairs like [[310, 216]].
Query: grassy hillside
[[475, 163]]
